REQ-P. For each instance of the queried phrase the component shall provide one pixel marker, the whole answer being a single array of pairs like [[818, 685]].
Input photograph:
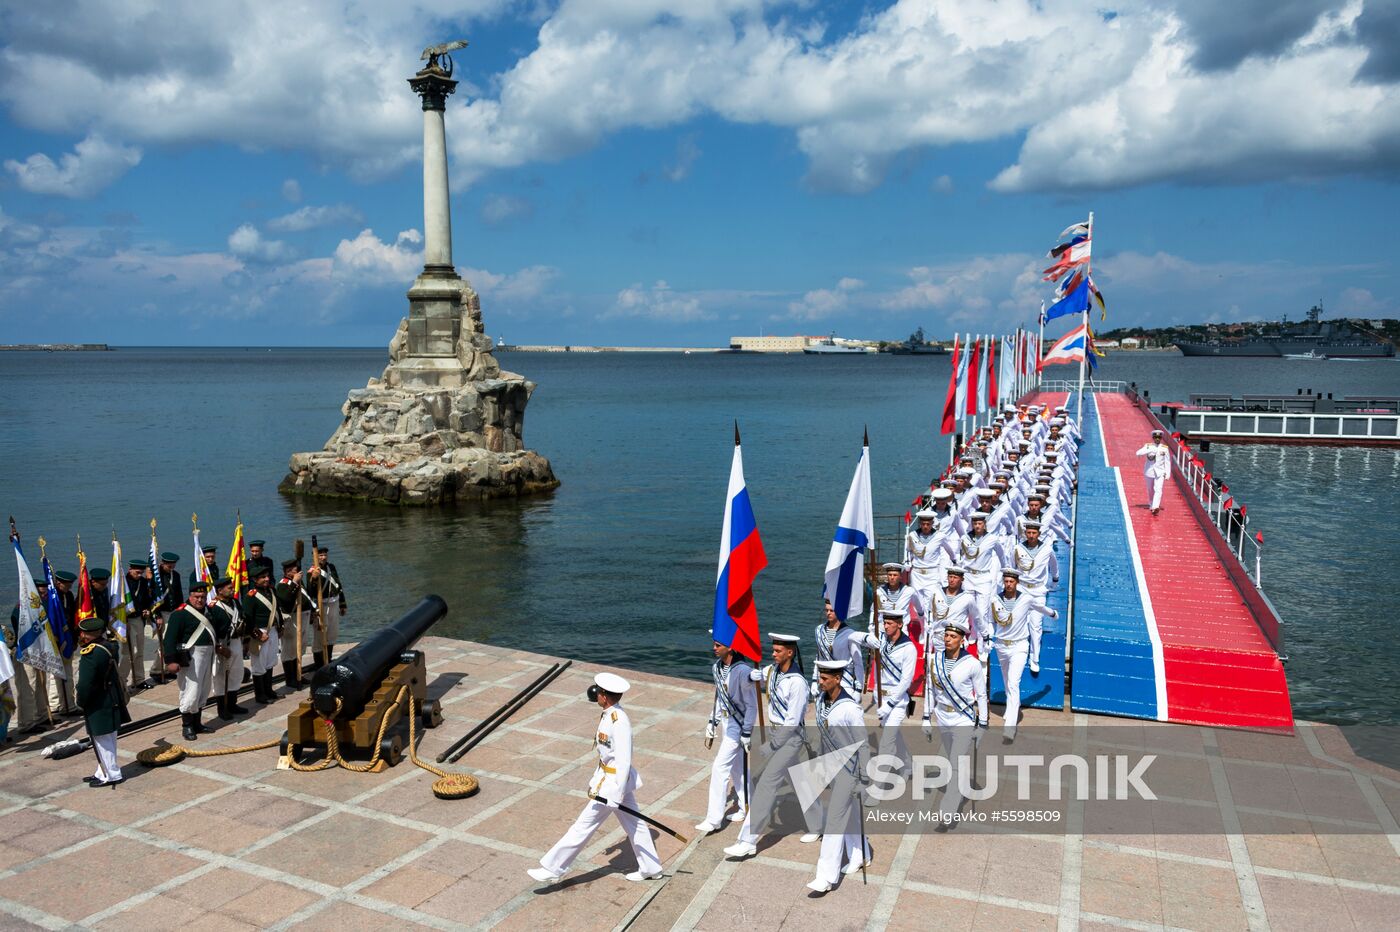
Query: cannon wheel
[[391, 750], [431, 716]]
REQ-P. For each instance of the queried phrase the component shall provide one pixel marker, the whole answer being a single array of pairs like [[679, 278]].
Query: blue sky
[[658, 173]]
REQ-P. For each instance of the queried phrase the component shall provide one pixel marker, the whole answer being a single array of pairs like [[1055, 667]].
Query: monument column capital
[[434, 86]]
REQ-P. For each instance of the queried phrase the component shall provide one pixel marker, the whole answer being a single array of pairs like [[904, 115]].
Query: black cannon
[[360, 690]]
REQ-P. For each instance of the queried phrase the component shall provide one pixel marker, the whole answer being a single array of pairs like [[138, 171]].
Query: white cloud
[[311, 217], [687, 154], [248, 244], [367, 258], [499, 210], [93, 164], [658, 302], [825, 302], [943, 184], [524, 285], [291, 191]]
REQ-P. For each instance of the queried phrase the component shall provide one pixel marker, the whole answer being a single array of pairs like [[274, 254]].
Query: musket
[[299, 549], [155, 606], [320, 602], [645, 818]]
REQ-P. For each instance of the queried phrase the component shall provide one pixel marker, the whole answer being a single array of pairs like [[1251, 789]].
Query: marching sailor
[[1156, 468], [840, 725], [263, 619], [897, 659], [100, 697], [189, 652], [229, 633], [782, 681], [1039, 569], [957, 701], [922, 551], [615, 782], [896, 598], [837, 641], [951, 603], [1055, 522], [735, 710], [1014, 619], [980, 555]]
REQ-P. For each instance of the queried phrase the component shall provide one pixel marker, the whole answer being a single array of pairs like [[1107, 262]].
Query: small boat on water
[[1310, 354]]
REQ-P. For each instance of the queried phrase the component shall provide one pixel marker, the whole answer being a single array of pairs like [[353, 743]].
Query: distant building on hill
[[1130, 343]]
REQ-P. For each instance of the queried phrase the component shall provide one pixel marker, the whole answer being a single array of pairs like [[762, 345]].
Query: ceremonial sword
[[645, 818]]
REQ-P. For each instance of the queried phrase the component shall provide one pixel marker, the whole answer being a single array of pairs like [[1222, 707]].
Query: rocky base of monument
[[417, 446]]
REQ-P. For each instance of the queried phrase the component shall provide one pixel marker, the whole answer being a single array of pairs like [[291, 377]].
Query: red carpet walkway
[[1218, 667]]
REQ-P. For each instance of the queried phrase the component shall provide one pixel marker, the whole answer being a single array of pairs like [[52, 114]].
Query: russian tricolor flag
[[741, 559]]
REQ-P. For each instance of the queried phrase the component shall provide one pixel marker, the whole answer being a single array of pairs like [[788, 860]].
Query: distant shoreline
[[56, 347]]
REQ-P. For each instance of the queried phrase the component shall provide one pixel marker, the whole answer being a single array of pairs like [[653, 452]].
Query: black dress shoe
[[112, 783]]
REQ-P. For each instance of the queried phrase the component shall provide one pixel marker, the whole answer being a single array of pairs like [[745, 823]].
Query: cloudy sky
[[662, 172]]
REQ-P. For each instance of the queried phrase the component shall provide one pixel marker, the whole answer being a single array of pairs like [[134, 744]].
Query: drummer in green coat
[[100, 697]]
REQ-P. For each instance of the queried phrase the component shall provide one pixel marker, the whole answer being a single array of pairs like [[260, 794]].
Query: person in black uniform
[[256, 560], [98, 581], [100, 695], [332, 598], [142, 596], [189, 652], [293, 599], [263, 622], [167, 580], [211, 560], [227, 617]]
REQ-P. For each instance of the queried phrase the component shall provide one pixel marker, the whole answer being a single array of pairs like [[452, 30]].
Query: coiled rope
[[447, 786]]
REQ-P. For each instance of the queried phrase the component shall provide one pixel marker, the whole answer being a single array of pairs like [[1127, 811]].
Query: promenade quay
[[233, 842]]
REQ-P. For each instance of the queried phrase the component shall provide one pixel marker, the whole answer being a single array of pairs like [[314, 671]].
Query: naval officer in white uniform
[[614, 781], [1156, 468]]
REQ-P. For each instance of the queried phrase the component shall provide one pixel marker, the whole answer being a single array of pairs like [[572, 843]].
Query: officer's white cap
[[783, 638], [941, 494], [926, 513], [1011, 571], [1156, 433], [611, 683], [957, 624], [832, 666]]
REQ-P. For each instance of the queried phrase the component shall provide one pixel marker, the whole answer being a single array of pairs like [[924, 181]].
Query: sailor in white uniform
[[981, 554], [838, 641], [840, 725], [615, 781], [1053, 523], [1014, 621], [897, 658], [951, 603], [786, 688], [923, 553], [1156, 469], [895, 597], [1040, 571], [735, 711], [957, 701]]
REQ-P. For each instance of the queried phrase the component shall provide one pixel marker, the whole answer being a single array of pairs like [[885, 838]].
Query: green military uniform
[[191, 631], [260, 618], [287, 595], [99, 694]]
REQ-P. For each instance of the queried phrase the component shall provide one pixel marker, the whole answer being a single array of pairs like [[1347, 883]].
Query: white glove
[[709, 731], [886, 709], [746, 740], [758, 676], [928, 729], [816, 690], [611, 794]]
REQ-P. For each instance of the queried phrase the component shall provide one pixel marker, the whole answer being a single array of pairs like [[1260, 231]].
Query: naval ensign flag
[[855, 534]]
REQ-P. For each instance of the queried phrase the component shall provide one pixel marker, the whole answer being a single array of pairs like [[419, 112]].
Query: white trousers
[[264, 653], [840, 831], [957, 747], [1012, 656], [1154, 491], [923, 579], [195, 679], [228, 671], [727, 770], [107, 767], [131, 665], [788, 740], [289, 637], [332, 633], [61, 689], [892, 735], [594, 814]]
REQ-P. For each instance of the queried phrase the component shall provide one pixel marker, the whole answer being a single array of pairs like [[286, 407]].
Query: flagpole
[[1084, 360]]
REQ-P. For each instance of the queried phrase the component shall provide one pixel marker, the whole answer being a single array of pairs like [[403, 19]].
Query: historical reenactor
[[210, 560], [1156, 468], [256, 560], [840, 724], [293, 600], [897, 660], [101, 698], [1039, 568], [1014, 621], [166, 579], [837, 641], [263, 622], [615, 782], [332, 597], [189, 652], [957, 702], [61, 699], [786, 688], [229, 632], [31, 692], [98, 581], [731, 720], [141, 595]]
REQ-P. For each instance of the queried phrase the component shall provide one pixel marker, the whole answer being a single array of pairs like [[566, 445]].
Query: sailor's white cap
[[887, 614], [956, 571], [783, 638], [897, 567], [1061, 408], [978, 516], [611, 683], [1034, 524], [831, 666], [927, 513], [940, 494], [1009, 409], [957, 624], [965, 471], [1037, 497], [984, 493], [1011, 571]]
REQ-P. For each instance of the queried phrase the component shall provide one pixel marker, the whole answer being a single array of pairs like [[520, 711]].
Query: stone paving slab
[[232, 842]]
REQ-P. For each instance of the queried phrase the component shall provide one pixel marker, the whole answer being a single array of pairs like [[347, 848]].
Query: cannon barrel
[[353, 677]]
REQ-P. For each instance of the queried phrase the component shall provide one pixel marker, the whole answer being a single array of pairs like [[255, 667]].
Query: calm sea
[[618, 566]]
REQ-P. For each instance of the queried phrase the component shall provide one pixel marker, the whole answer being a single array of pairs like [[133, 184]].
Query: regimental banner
[[35, 644], [118, 595]]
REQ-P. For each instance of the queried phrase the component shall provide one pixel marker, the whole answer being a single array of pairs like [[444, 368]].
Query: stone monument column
[[434, 87]]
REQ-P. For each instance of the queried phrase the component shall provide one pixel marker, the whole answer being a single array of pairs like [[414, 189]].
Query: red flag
[[85, 610], [992, 373], [1229, 502], [908, 517], [1243, 511], [950, 415], [1259, 536], [972, 373]]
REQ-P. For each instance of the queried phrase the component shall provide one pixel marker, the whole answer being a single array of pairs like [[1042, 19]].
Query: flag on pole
[[53, 607], [855, 533], [950, 404], [157, 584], [989, 383], [119, 595], [1068, 257], [1075, 302], [1006, 380], [1068, 348], [85, 607], [237, 569], [974, 368], [203, 572], [35, 644], [741, 559]]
